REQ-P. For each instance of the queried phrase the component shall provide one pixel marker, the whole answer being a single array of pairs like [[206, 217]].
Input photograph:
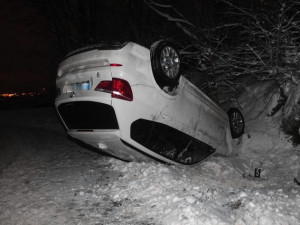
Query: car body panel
[[110, 142], [187, 109]]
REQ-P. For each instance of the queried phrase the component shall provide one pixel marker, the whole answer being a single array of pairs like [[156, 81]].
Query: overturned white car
[[131, 102]]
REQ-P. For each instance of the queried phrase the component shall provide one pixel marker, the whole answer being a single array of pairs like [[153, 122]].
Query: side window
[[169, 142]]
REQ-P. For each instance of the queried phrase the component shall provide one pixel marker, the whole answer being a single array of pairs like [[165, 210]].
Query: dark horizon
[[32, 47], [28, 55], [35, 35]]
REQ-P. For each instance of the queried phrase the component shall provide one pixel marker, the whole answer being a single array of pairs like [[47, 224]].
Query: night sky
[[28, 50], [30, 53]]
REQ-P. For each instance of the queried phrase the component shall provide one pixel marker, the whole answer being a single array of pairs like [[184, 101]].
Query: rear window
[[88, 115]]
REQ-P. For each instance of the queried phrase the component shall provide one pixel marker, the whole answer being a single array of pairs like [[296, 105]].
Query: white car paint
[[188, 109]]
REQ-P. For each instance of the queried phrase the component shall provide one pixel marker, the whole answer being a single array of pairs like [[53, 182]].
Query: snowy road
[[46, 178]]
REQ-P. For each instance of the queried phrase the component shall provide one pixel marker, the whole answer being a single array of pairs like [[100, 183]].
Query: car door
[[192, 112]]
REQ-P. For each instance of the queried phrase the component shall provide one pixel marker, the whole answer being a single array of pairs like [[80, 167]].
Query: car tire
[[237, 123], [165, 62]]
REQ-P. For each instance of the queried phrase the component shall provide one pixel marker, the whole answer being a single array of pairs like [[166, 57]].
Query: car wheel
[[165, 62], [237, 123]]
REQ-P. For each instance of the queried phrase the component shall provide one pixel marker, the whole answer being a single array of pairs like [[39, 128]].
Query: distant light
[[8, 95], [31, 93]]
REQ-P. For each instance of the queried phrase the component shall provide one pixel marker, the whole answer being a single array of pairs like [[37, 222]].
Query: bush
[[290, 124]]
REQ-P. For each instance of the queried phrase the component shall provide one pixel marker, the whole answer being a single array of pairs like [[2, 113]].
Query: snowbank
[[46, 178]]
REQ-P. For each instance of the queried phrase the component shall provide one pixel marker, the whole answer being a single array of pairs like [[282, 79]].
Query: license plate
[[79, 86]]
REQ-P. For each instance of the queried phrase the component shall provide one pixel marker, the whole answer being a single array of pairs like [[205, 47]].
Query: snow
[[47, 178]]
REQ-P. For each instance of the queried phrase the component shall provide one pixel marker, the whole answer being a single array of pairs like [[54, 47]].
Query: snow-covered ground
[[46, 178]]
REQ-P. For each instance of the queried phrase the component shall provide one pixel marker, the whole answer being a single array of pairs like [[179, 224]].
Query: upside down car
[[134, 103]]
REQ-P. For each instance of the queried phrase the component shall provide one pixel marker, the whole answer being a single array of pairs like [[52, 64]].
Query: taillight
[[115, 64], [105, 86], [118, 88], [121, 89]]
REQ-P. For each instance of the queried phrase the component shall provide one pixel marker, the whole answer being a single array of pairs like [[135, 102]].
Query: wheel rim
[[237, 122], [170, 62]]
